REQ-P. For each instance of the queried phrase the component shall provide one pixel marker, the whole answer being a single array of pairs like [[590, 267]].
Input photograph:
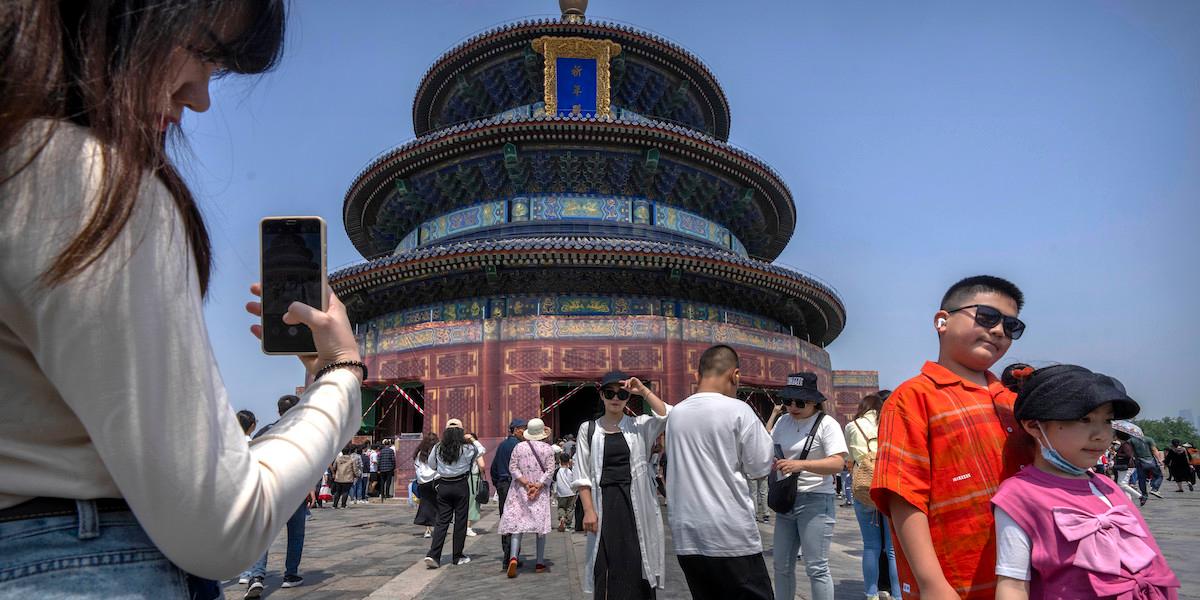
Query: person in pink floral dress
[[528, 511]]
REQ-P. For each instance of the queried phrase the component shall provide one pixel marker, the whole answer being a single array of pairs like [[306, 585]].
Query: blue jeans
[[359, 491], [295, 548], [1139, 478], [88, 555], [809, 526], [876, 538]]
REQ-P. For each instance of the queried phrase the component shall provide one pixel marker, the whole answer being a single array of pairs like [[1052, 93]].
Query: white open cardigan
[[640, 433]]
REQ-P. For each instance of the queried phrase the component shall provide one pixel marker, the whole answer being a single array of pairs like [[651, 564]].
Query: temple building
[[571, 206]]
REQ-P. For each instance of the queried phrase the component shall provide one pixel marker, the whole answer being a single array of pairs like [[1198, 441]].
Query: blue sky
[[1053, 143]]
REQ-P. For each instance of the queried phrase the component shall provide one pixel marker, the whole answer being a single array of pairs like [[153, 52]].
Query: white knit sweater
[[108, 385]]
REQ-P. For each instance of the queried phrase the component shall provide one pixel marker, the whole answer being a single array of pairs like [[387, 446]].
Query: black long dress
[[618, 572]]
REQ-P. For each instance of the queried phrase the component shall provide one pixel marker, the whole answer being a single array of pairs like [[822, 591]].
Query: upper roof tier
[[509, 156], [499, 70]]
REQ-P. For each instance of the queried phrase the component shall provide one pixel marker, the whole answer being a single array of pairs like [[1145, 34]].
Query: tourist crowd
[[955, 469]]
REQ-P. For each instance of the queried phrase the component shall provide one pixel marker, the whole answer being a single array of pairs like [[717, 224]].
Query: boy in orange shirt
[[947, 438]]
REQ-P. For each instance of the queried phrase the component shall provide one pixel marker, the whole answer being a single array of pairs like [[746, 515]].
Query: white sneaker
[[464, 560], [243, 580], [471, 532], [428, 534], [430, 563]]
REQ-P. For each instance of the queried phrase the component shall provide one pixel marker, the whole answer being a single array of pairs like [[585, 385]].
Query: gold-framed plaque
[[576, 72]]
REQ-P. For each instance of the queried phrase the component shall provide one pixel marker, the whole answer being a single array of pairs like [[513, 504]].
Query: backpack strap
[[869, 440]]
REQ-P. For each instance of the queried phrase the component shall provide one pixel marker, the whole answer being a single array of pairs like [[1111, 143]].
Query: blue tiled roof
[[596, 244]]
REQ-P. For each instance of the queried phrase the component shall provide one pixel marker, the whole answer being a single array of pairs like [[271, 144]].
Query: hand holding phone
[[300, 314], [331, 330]]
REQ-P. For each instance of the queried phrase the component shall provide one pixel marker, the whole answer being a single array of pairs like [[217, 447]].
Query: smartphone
[[292, 251]]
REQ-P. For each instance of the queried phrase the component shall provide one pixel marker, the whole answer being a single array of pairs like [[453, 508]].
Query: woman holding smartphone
[[104, 356], [814, 449]]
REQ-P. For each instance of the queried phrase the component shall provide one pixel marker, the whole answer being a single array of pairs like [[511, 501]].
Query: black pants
[[578, 516], [453, 502], [727, 578], [385, 484], [340, 492], [502, 493]]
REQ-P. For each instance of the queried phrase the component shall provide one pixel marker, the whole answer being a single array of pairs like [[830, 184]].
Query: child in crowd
[[564, 494], [1062, 530], [947, 438]]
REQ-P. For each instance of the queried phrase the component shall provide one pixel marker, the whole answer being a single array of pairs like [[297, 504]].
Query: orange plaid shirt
[[945, 444]]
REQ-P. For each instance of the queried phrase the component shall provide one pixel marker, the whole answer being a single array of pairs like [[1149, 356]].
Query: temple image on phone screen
[[291, 273]]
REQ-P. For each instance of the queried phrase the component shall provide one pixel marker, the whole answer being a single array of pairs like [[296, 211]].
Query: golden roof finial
[[572, 10]]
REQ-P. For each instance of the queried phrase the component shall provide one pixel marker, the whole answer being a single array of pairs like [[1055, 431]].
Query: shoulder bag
[[781, 495]]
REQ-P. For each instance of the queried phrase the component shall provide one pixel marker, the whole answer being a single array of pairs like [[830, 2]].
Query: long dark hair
[[106, 65], [428, 441], [870, 402], [452, 443]]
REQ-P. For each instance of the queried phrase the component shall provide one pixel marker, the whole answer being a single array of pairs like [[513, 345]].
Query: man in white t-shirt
[[717, 445]]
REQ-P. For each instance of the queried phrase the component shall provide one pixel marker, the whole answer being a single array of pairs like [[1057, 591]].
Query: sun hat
[[536, 430], [802, 386]]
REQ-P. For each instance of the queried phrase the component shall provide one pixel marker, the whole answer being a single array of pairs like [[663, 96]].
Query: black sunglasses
[[798, 402], [608, 394], [987, 317]]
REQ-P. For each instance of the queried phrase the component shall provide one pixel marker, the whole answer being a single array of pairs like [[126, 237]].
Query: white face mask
[[1054, 458]]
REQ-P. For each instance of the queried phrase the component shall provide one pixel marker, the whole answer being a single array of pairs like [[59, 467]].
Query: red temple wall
[[489, 372]]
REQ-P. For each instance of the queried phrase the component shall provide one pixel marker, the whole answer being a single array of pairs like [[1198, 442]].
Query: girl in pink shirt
[[1064, 532]]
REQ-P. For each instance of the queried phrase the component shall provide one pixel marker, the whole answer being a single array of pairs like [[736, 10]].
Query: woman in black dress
[[616, 488], [427, 510]]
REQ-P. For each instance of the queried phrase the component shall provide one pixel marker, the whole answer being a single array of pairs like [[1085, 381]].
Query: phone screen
[[293, 270]]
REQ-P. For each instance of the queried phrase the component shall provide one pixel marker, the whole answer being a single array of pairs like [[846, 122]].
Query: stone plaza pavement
[[374, 551]]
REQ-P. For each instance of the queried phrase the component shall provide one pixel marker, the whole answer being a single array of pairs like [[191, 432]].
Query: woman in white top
[[809, 525], [117, 433], [452, 459], [862, 439], [620, 511]]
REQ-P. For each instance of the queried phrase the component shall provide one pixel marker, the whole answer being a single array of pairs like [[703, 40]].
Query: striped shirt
[[944, 446]]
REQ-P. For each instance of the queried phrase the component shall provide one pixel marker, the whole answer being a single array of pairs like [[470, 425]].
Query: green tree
[[1166, 429]]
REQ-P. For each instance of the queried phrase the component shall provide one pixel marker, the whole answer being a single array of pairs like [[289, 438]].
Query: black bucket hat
[[802, 386], [1068, 392]]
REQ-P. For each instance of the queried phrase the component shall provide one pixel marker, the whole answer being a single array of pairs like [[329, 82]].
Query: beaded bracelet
[[342, 363]]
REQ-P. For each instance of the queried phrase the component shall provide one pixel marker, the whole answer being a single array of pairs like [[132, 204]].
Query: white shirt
[[715, 443], [792, 435], [424, 472], [481, 451], [1013, 548], [562, 482], [108, 385]]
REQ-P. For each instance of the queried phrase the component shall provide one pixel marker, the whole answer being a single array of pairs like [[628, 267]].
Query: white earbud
[[941, 322]]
